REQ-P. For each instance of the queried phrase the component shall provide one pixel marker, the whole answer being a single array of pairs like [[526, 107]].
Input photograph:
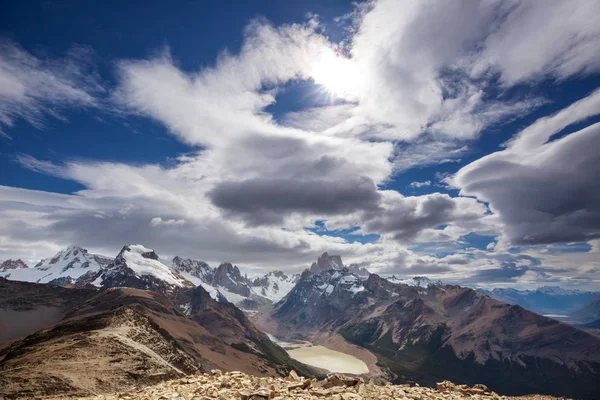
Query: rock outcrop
[[240, 386]]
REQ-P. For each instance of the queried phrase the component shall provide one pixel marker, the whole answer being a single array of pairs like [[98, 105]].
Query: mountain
[[67, 267], [79, 342], [544, 300], [139, 267], [326, 262], [10, 265], [419, 281], [274, 285], [197, 272], [226, 282], [443, 332], [589, 311]]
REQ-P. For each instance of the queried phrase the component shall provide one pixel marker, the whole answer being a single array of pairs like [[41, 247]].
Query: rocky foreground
[[237, 385]]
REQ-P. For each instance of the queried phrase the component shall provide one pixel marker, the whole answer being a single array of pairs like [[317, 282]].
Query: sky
[[456, 140]]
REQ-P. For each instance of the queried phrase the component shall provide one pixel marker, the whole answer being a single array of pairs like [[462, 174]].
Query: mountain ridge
[[416, 331]]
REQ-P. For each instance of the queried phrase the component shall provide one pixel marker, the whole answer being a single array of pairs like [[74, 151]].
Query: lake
[[331, 360]]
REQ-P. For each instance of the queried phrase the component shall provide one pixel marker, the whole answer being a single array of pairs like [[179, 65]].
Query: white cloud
[[32, 88], [417, 184]]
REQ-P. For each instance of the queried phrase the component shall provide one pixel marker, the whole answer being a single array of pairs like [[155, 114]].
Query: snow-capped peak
[[197, 269], [274, 285], [418, 281], [145, 262], [64, 267]]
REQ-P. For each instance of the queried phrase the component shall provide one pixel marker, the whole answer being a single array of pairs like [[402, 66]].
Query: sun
[[337, 74]]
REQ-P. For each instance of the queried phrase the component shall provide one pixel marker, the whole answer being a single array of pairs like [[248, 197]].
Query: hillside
[[443, 332], [117, 339]]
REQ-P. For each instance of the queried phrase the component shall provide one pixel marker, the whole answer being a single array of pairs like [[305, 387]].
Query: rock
[[293, 376], [340, 380], [445, 386], [237, 385], [217, 372], [302, 385], [482, 387]]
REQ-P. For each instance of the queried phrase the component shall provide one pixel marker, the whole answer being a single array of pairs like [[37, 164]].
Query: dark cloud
[[268, 201], [550, 194], [511, 268], [408, 216]]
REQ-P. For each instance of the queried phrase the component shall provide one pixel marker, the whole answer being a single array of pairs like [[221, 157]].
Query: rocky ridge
[[12, 264], [237, 385]]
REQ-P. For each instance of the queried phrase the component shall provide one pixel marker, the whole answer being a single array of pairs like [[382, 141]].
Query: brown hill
[[97, 341]]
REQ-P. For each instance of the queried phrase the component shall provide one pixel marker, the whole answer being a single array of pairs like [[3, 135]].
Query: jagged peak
[[327, 262], [13, 264]]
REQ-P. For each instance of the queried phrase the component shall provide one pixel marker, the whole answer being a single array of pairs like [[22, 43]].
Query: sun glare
[[336, 74]]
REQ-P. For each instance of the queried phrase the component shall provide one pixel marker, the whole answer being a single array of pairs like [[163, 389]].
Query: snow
[[284, 287], [187, 308], [72, 262], [356, 289], [141, 265], [417, 281], [98, 281], [230, 296], [329, 289]]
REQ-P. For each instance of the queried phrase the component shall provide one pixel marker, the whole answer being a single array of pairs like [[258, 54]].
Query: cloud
[[417, 184], [33, 88], [433, 77], [404, 218], [158, 221], [544, 188], [531, 40], [267, 201], [220, 103]]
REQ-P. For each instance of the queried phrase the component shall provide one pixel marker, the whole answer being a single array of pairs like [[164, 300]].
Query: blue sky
[[456, 141]]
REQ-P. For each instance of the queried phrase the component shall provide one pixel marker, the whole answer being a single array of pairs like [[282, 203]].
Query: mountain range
[[133, 322], [428, 332], [139, 319], [76, 267]]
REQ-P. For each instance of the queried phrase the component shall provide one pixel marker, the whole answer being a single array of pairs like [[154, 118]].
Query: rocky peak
[[198, 269], [230, 277], [12, 264], [326, 262], [357, 269], [139, 267]]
